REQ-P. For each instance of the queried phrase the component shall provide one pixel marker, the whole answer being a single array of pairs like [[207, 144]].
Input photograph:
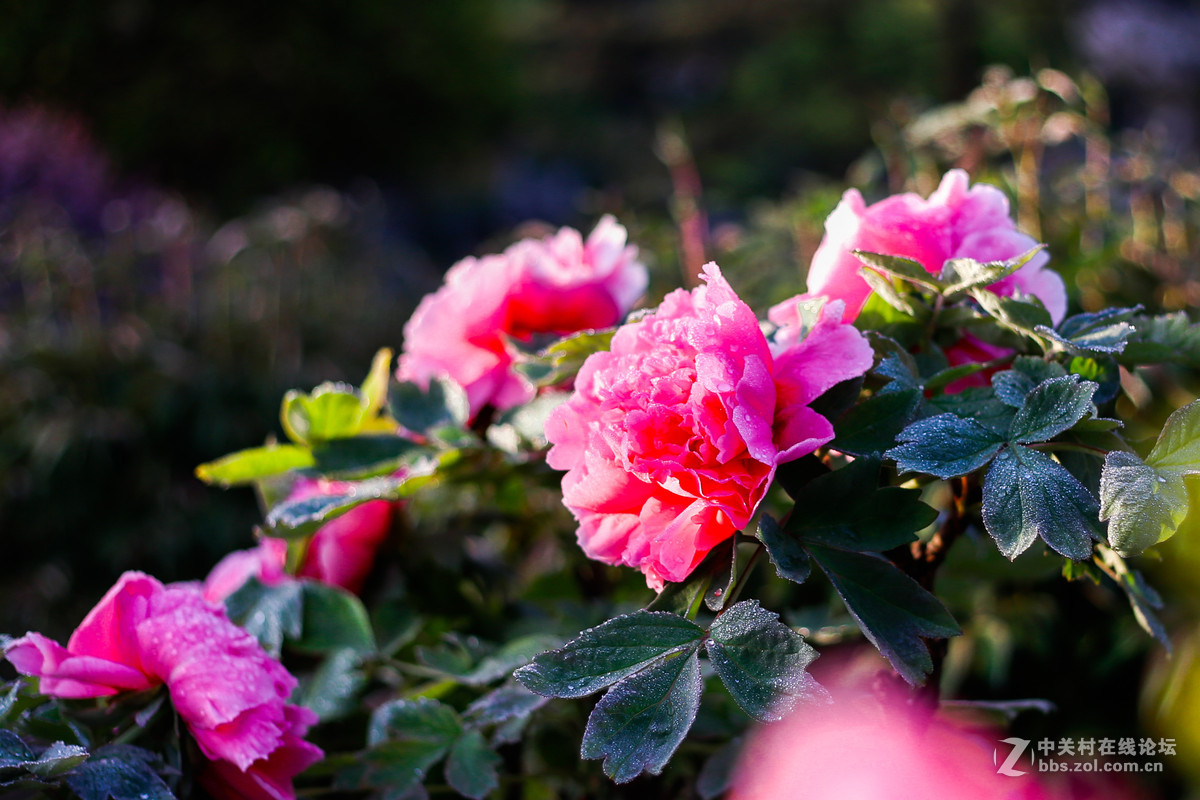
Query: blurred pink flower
[[231, 695], [864, 749], [955, 222], [672, 437], [556, 285], [341, 552]]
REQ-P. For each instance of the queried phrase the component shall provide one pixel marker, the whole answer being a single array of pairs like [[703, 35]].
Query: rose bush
[[556, 285], [670, 439], [232, 696]]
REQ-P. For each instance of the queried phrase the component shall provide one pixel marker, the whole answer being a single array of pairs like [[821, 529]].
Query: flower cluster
[[231, 695], [557, 285]]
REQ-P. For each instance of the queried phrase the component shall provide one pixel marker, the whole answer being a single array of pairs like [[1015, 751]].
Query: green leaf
[[978, 404], [684, 597], [473, 663], [18, 762], [603, 655], [1163, 339], [962, 274], [1178, 446], [269, 613], [332, 411], [1027, 495], [637, 726], [295, 518], [508, 702], [333, 619], [443, 405], [1142, 599], [375, 387], [1051, 408], [944, 446], [872, 425], [560, 361], [365, 456], [471, 766], [904, 268], [883, 288], [848, 509], [119, 772], [332, 691], [422, 720], [524, 427], [247, 466], [1143, 505], [789, 557], [1024, 315], [1099, 332], [891, 609], [761, 661], [716, 776]]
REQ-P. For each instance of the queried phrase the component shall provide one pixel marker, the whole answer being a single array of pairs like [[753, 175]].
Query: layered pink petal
[[64, 674], [671, 438]]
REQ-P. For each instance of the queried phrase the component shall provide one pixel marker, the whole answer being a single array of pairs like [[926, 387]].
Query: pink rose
[[672, 437], [868, 750], [557, 285], [231, 695], [955, 222], [340, 553]]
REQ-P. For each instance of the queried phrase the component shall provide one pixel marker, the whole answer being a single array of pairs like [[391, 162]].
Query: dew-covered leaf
[[638, 725], [761, 661], [603, 655], [1051, 408], [945, 446]]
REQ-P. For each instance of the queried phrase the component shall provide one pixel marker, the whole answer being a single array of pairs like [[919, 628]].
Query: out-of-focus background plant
[[201, 208]]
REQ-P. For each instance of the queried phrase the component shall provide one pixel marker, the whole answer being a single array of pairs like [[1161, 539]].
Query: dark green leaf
[[560, 361], [364, 456], [119, 772], [1163, 339], [789, 558], [486, 664], [293, 518], [524, 427], [637, 726], [892, 609], [510, 701], [945, 446], [1027, 495], [471, 766], [420, 720], [1143, 506], [269, 613], [443, 405], [603, 655], [1100, 332], [331, 692], [904, 268], [333, 619], [883, 288], [332, 411], [1104, 371], [247, 466], [848, 509], [761, 661], [1051, 408], [1142, 599], [979, 405], [872, 425]]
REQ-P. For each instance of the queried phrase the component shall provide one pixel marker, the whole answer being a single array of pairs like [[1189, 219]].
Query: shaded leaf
[[892, 609], [333, 619], [789, 557], [118, 772], [471, 766], [331, 692], [443, 405], [945, 445], [269, 613], [637, 726], [1097, 332], [1162, 339]]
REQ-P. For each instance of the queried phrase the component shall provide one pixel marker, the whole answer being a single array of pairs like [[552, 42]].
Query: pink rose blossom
[[341, 552], [557, 285], [231, 695], [955, 222], [672, 437], [860, 749]]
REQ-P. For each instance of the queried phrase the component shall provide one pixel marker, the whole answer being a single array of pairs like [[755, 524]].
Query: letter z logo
[[1008, 767]]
